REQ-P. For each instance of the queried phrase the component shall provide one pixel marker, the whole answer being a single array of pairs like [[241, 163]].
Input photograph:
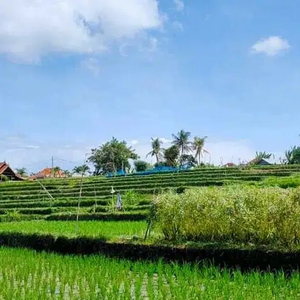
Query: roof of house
[[257, 161], [4, 166], [48, 172]]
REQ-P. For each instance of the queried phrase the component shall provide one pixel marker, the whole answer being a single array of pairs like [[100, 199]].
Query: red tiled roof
[[3, 167], [48, 172]]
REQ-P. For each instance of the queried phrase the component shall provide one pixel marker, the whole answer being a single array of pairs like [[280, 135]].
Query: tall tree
[[157, 149], [67, 173], [263, 155], [198, 146], [112, 156], [22, 172], [56, 170], [171, 155], [82, 170], [181, 140]]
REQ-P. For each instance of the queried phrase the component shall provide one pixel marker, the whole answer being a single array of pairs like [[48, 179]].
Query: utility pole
[[52, 164]]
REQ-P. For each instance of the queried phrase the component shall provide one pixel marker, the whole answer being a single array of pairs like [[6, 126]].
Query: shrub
[[13, 215], [233, 213], [3, 178]]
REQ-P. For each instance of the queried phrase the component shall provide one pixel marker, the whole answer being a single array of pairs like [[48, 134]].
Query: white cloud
[[30, 29], [134, 142], [91, 64], [179, 4], [165, 141], [270, 46], [178, 26]]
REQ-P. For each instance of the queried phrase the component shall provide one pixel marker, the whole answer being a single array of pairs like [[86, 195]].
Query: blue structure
[[156, 170]]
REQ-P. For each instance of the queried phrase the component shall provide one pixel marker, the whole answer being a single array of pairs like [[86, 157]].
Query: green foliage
[[13, 215], [95, 229], [198, 146], [263, 155], [22, 172], [292, 156], [141, 165], [157, 149], [171, 155], [56, 170], [187, 159], [82, 170], [111, 157], [28, 274], [238, 214], [181, 141], [109, 216], [3, 178]]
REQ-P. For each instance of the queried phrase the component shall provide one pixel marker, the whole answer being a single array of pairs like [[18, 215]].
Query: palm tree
[[22, 172], [182, 141], [263, 155], [67, 173], [198, 146], [81, 169], [56, 170], [157, 150]]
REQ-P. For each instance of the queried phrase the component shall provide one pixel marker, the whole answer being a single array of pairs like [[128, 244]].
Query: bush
[[141, 166], [233, 213], [3, 178]]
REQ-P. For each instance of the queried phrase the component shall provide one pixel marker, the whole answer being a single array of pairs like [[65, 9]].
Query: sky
[[75, 73]]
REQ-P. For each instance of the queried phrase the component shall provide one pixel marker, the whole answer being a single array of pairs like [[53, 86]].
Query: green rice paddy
[[26, 274]]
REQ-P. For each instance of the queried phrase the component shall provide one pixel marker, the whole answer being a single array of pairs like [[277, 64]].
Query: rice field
[[26, 274], [109, 230]]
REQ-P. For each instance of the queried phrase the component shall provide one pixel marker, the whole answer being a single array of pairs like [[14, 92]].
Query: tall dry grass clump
[[233, 213]]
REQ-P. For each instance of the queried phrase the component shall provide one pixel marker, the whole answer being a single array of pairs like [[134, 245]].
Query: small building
[[48, 173], [259, 162], [6, 170], [229, 165]]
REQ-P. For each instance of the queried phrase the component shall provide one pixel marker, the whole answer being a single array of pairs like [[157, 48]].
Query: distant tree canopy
[[141, 165], [112, 157]]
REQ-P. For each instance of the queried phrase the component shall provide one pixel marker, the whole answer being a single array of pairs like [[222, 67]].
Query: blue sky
[[72, 76]]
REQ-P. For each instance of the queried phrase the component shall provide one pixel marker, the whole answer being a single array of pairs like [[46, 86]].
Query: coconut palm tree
[[56, 170], [198, 146], [263, 155], [67, 173], [181, 140], [157, 150], [77, 170], [81, 169]]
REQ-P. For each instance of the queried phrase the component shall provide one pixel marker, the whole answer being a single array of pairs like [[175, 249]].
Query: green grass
[[109, 230], [29, 275]]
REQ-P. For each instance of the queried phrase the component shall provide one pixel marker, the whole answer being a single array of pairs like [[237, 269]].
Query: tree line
[[115, 155]]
